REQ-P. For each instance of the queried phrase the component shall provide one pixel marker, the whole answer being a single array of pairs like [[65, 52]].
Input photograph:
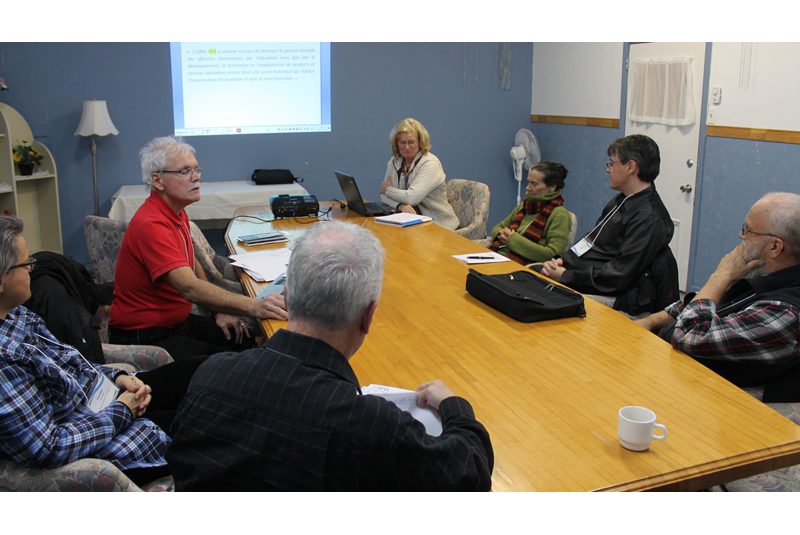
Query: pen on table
[[364, 222], [480, 258]]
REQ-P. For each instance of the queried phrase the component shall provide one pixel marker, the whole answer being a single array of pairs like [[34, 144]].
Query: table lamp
[[95, 122]]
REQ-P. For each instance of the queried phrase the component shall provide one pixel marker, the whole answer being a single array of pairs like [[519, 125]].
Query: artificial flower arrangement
[[26, 154]]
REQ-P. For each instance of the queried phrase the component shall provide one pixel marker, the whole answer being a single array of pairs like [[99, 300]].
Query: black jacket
[[626, 246], [66, 297], [290, 416]]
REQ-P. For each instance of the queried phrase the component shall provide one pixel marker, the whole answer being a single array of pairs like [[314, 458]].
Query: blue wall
[[735, 174], [582, 150], [452, 88]]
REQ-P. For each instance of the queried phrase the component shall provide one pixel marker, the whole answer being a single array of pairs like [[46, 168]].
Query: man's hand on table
[[273, 307]]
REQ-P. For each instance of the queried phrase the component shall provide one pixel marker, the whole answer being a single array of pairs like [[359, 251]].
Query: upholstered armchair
[[103, 239], [470, 202], [83, 475], [219, 271]]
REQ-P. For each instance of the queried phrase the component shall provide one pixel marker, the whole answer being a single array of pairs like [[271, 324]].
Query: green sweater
[[554, 239]]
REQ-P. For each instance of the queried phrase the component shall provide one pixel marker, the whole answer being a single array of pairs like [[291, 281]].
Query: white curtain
[[661, 92]]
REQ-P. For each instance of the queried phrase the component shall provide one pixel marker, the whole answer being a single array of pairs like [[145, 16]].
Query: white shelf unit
[[33, 198]]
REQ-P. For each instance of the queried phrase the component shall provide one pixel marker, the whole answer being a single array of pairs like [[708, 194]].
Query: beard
[[755, 253], [760, 271]]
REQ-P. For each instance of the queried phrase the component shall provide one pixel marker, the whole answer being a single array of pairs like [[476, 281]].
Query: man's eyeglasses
[[29, 264], [189, 171], [610, 164], [746, 231]]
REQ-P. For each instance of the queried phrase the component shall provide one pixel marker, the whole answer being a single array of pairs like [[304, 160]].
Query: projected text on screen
[[250, 88]]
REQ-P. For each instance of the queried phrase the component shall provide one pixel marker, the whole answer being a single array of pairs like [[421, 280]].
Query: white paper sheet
[[407, 400], [488, 257], [263, 266]]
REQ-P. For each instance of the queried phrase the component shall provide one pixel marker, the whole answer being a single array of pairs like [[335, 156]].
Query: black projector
[[294, 205]]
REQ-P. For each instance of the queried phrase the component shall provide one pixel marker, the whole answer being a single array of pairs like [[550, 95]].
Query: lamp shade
[[95, 120]]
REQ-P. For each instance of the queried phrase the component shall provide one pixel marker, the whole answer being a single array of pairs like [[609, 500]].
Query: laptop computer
[[356, 202]]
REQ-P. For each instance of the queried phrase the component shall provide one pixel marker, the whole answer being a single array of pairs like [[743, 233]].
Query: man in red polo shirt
[[158, 278]]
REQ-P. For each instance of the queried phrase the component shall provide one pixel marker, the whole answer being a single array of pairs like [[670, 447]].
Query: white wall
[[577, 79], [767, 98]]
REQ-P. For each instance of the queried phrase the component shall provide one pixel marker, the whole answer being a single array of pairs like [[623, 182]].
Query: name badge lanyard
[[400, 172], [583, 246], [103, 390]]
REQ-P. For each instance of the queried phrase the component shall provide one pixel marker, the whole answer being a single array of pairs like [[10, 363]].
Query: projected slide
[[250, 88]]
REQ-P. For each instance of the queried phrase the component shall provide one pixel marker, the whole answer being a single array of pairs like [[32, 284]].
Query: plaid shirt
[[765, 332], [44, 418]]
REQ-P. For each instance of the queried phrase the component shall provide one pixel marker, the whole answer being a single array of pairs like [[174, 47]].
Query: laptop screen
[[349, 189]]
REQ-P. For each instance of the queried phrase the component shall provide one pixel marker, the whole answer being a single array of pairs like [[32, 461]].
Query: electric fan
[[524, 153]]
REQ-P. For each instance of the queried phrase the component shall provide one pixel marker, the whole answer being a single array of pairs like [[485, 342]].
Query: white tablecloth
[[218, 200]]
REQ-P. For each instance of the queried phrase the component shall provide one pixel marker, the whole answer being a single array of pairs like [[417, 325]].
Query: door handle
[[687, 188], [689, 163]]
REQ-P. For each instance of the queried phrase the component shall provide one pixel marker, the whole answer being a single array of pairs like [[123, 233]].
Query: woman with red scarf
[[538, 229]]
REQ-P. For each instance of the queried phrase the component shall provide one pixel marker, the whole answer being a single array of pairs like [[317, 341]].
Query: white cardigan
[[426, 189]]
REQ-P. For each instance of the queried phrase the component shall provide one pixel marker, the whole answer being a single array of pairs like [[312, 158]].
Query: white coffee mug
[[636, 426]]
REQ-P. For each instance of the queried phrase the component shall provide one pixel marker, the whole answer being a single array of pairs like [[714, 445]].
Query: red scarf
[[535, 230]]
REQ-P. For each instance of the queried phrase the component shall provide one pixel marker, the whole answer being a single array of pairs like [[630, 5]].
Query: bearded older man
[[744, 323], [158, 278]]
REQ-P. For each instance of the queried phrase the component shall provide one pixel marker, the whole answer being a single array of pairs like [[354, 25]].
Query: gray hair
[[334, 274], [10, 227], [154, 155], [783, 219]]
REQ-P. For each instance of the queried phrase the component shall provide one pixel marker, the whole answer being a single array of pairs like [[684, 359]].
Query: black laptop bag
[[524, 296], [269, 177]]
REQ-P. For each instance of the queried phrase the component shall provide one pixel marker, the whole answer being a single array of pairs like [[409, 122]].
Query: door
[[679, 148]]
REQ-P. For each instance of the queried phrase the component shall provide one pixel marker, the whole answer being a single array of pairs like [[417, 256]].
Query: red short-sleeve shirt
[[156, 241]]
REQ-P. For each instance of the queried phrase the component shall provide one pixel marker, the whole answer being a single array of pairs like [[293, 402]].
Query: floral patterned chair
[[103, 239], [470, 202], [139, 357], [87, 475], [781, 480], [219, 271]]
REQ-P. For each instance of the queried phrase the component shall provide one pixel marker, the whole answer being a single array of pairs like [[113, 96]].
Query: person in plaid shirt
[[50, 412], [743, 323]]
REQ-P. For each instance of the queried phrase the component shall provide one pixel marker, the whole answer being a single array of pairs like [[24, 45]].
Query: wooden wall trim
[[754, 134], [581, 121]]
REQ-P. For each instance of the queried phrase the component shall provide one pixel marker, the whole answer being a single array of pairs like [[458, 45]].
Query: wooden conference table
[[549, 392]]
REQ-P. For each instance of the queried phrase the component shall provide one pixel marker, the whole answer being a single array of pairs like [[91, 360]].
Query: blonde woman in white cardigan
[[415, 178]]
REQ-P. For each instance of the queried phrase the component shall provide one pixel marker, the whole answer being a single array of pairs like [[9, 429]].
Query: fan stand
[[525, 152], [518, 177]]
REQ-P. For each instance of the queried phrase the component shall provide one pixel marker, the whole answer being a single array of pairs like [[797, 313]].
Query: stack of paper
[[263, 266], [407, 400], [262, 239], [402, 219], [481, 258]]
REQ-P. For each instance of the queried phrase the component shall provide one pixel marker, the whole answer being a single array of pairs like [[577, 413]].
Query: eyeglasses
[[746, 231], [408, 143], [610, 164], [29, 264], [189, 171]]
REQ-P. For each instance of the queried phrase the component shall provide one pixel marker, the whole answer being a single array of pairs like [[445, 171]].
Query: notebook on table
[[356, 202]]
